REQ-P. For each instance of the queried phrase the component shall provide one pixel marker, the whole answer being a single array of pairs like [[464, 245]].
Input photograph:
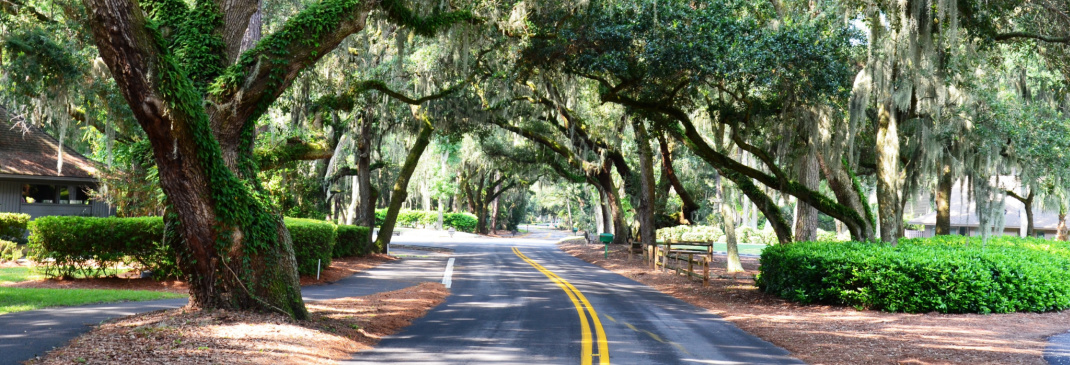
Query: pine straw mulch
[[821, 334], [340, 268], [337, 329]]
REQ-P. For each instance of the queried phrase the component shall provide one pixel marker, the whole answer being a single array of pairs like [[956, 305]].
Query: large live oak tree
[[197, 79]]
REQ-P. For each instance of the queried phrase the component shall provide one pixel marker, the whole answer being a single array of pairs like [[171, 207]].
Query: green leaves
[[946, 274]]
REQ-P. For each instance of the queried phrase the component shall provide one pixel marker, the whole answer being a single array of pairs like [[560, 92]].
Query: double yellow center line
[[582, 305]]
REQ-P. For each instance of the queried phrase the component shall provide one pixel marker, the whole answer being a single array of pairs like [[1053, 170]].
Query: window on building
[[55, 194], [962, 231]]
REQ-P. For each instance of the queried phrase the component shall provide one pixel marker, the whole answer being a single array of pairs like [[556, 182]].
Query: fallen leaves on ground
[[820, 334], [337, 329]]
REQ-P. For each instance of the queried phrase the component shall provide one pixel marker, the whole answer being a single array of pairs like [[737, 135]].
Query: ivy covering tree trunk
[[197, 92]]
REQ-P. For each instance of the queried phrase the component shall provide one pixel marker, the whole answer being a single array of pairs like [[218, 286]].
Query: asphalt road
[[514, 301], [505, 310]]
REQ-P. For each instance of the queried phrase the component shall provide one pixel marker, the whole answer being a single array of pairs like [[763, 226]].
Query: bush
[[691, 233], [352, 241], [9, 251], [464, 222], [312, 240], [948, 274], [13, 226], [756, 236], [86, 245]]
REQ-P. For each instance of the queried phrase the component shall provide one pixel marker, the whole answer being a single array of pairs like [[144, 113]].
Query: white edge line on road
[[447, 277]]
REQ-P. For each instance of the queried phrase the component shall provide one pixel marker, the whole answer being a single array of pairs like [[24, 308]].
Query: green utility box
[[605, 237]]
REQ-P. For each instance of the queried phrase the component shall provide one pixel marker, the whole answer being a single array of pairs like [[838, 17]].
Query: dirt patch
[[836, 335], [337, 329], [339, 269]]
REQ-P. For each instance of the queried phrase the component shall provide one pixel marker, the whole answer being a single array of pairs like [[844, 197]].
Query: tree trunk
[[568, 207], [689, 205], [888, 172], [1061, 230], [494, 211], [646, 209], [599, 211], [367, 191], [943, 198], [235, 252], [401, 185], [615, 207], [805, 215], [728, 221]]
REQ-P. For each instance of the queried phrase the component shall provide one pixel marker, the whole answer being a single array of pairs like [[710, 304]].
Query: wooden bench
[[682, 253]]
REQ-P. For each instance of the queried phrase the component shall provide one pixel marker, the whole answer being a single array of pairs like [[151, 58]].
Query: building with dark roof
[[33, 180], [964, 220]]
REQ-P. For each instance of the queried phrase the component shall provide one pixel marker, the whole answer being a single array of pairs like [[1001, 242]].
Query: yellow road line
[[581, 304]]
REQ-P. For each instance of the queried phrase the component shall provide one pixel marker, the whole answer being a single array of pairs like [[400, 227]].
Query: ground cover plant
[[945, 274]]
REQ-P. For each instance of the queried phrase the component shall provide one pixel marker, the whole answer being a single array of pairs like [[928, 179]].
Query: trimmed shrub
[[13, 225], [87, 245], [351, 241], [691, 233], [9, 251], [312, 240], [464, 222], [949, 274]]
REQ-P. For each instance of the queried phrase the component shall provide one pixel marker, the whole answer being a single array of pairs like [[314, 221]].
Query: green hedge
[[76, 245], [13, 226], [464, 222], [66, 246], [352, 241], [312, 240], [948, 274]]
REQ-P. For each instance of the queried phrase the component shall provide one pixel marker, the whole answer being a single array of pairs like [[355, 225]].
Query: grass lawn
[[17, 274], [28, 299]]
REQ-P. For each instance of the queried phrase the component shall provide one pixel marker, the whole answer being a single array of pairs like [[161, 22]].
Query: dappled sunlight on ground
[[337, 329]]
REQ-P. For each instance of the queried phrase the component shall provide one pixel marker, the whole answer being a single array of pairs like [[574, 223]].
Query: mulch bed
[[821, 334]]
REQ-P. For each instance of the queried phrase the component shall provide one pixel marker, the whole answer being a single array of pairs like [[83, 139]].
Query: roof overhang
[[46, 179]]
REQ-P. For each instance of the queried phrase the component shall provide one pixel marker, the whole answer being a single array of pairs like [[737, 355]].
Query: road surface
[[523, 301]]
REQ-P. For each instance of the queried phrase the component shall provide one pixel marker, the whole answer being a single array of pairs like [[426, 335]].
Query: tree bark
[[888, 172], [1061, 230], [943, 198], [615, 207], [368, 193], [806, 215], [728, 221], [1027, 203], [689, 206], [401, 185], [647, 228]]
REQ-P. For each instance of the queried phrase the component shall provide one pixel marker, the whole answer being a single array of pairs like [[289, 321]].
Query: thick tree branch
[[294, 150], [1026, 35]]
